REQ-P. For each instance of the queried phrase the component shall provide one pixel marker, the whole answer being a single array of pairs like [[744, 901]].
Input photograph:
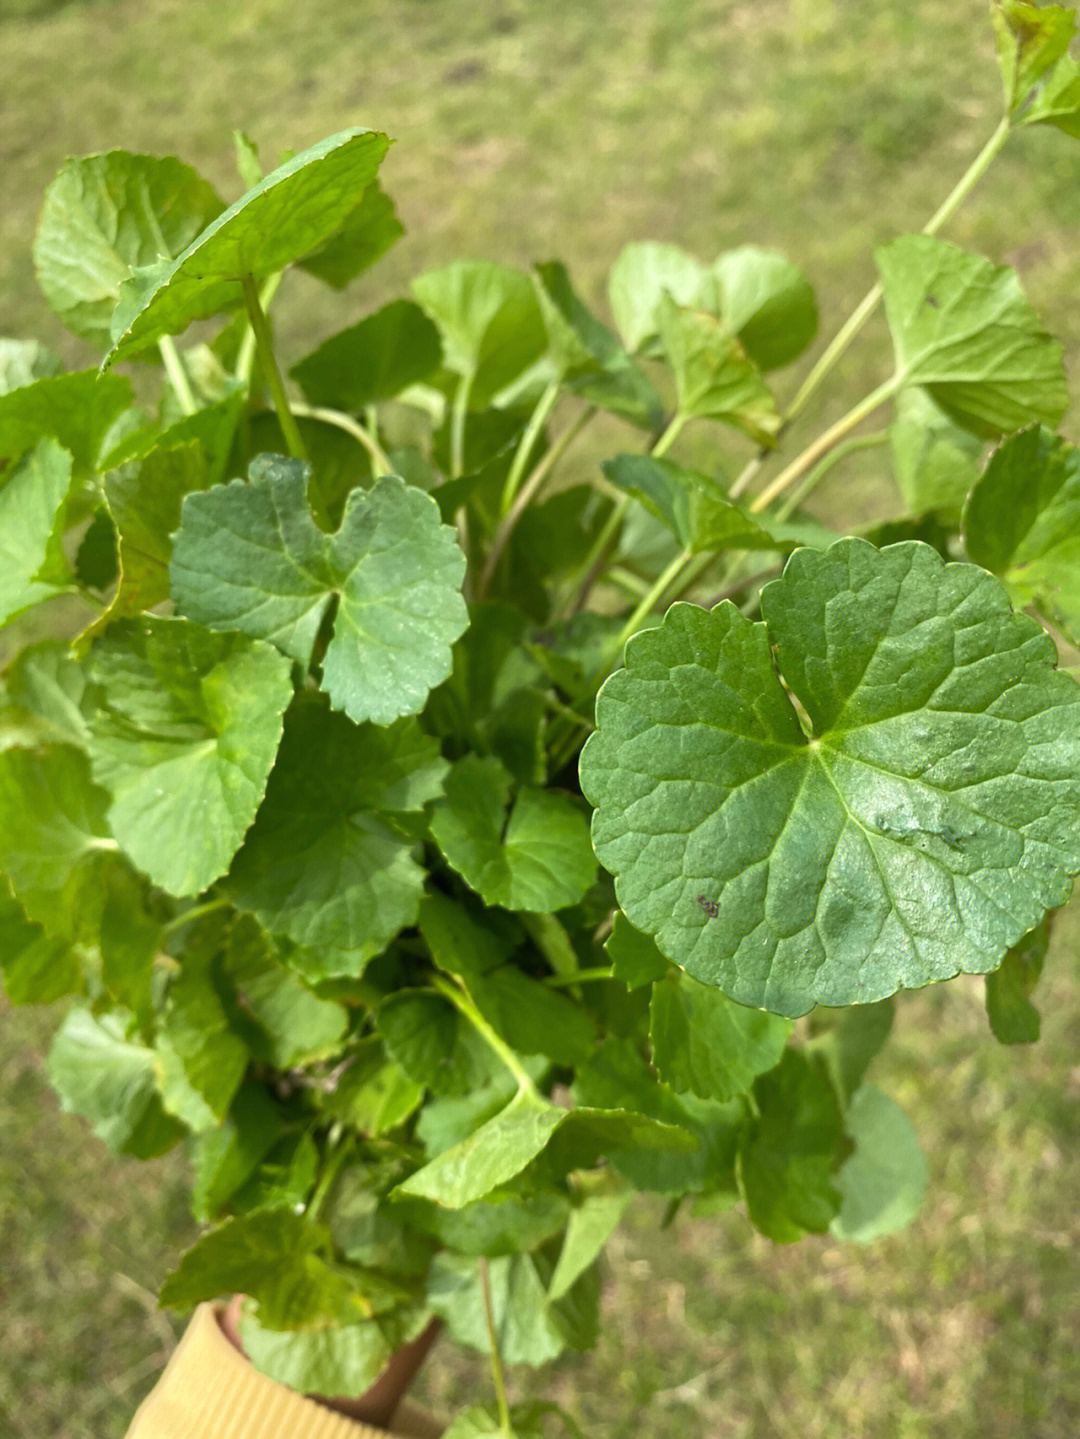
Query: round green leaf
[[882, 1184], [250, 557], [768, 302], [184, 727], [964, 329], [924, 819], [107, 215]]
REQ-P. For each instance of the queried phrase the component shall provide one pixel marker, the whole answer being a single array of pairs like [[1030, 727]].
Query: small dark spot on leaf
[[932, 302], [710, 906]]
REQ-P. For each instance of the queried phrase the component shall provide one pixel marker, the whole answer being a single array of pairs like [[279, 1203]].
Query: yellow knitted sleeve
[[209, 1391]]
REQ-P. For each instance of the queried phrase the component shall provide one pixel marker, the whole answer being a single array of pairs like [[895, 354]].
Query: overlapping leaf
[[964, 329], [295, 211], [184, 725], [538, 858], [1022, 521], [107, 215], [33, 506], [325, 864], [250, 557], [690, 504], [374, 360], [926, 821], [715, 377]]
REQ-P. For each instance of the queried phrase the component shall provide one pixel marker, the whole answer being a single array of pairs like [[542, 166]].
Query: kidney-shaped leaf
[[184, 726], [537, 860], [250, 557], [107, 215], [964, 328], [1022, 520], [925, 822], [882, 1184], [768, 302], [295, 210], [643, 275]]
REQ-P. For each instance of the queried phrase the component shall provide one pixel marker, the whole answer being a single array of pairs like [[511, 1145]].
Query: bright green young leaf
[[489, 320], [715, 378], [592, 1223], [36, 968], [107, 215], [275, 1258], [184, 726], [1030, 40], [641, 278], [1013, 1017], [385, 353], [250, 557], [530, 1327], [690, 504], [33, 503], [788, 1153], [537, 859], [108, 1078], [502, 1147], [587, 355], [296, 210], [964, 329], [925, 823], [1022, 521], [882, 1184], [935, 461], [369, 230], [77, 410], [280, 1020], [1057, 100], [768, 302], [325, 865], [705, 1044], [634, 956]]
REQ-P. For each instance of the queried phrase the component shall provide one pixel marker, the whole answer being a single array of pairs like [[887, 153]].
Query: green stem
[[580, 976], [497, 1376], [649, 602], [866, 307], [265, 346], [178, 376], [245, 359], [824, 443], [351, 427], [846, 447], [526, 444], [594, 560], [529, 492], [189, 916], [461, 1000], [340, 1144], [457, 426]]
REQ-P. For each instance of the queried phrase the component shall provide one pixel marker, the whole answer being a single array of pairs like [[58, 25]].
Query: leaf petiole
[[178, 376], [462, 1001], [351, 427], [498, 1378], [265, 347]]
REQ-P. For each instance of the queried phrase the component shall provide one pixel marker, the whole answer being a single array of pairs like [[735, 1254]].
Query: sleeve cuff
[[209, 1391]]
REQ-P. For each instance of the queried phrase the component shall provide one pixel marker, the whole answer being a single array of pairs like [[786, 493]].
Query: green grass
[[526, 131]]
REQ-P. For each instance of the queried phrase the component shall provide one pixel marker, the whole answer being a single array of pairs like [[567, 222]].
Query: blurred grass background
[[526, 132]]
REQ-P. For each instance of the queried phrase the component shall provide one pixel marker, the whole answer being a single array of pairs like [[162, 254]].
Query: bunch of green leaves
[[297, 678]]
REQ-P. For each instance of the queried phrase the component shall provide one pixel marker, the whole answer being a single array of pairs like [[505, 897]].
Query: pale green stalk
[[461, 1000], [178, 376], [245, 358], [265, 346], [458, 416], [526, 443], [351, 427], [497, 1376]]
